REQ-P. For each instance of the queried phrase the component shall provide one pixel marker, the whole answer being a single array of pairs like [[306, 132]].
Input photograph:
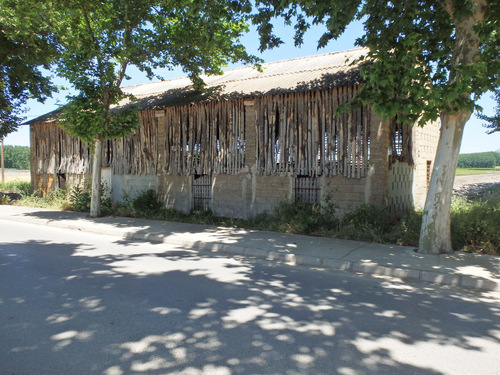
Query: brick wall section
[[425, 141], [176, 192], [130, 185], [269, 191], [401, 185], [345, 193], [228, 196], [376, 190]]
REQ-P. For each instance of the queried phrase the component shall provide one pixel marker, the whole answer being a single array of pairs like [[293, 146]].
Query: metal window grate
[[202, 192], [307, 190], [428, 172]]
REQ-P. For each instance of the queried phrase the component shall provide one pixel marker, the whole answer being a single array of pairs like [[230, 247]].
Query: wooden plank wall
[[201, 138], [205, 138], [300, 133], [296, 133], [55, 151]]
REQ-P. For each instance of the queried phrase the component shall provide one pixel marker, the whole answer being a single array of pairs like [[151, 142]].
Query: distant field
[[17, 175], [465, 171]]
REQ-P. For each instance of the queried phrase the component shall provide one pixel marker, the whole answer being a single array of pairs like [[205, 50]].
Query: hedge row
[[479, 160], [17, 157]]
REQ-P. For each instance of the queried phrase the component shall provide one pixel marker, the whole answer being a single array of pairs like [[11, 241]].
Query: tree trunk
[[435, 233], [95, 201]]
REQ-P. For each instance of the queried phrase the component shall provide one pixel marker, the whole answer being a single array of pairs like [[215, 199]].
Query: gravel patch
[[475, 183]]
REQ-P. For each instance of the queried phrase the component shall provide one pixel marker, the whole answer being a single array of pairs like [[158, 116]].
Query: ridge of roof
[[248, 67], [166, 94]]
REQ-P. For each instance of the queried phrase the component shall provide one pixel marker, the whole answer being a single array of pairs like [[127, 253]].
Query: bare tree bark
[[435, 233], [95, 200]]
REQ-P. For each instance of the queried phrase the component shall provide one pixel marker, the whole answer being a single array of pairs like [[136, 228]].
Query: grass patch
[[19, 187], [469, 171], [56, 200]]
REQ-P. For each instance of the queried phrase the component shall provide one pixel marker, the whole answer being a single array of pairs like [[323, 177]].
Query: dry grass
[[17, 175]]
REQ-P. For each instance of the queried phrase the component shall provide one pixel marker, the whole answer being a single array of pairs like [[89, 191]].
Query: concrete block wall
[[401, 184], [269, 191], [129, 185], [228, 196], [345, 193], [176, 192], [425, 141]]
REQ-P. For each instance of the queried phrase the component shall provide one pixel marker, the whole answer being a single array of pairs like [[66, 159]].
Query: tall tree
[[493, 122], [427, 59], [99, 40], [25, 48]]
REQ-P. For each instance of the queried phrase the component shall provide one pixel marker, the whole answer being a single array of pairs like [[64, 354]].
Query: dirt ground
[[486, 178], [17, 175]]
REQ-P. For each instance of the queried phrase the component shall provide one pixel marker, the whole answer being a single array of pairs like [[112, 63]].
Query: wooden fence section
[[296, 133], [136, 154], [55, 151], [204, 138], [300, 133], [191, 139]]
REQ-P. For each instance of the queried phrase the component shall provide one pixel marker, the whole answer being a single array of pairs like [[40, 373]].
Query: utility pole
[[3, 163]]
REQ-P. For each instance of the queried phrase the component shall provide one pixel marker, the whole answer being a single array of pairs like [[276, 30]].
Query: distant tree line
[[479, 160], [17, 157]]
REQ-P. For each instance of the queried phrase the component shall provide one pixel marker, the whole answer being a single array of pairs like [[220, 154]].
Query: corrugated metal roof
[[319, 71], [303, 73]]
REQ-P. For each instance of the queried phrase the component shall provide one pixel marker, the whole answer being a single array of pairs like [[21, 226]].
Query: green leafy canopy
[[98, 40], [412, 69], [25, 48]]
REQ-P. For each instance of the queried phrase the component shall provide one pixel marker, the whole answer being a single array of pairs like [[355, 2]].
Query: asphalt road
[[77, 303]]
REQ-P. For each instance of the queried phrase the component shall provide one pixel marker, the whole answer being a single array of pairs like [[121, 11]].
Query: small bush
[[146, 201], [297, 217], [368, 222], [79, 199], [19, 187], [475, 225]]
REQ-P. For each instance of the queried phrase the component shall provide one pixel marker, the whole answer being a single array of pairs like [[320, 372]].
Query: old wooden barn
[[255, 139]]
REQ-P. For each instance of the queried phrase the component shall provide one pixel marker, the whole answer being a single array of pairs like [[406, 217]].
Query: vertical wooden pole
[[3, 163]]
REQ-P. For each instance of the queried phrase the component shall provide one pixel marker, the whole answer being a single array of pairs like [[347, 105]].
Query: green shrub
[[297, 217], [4, 199], [475, 225], [20, 187], [146, 201], [79, 199], [368, 222]]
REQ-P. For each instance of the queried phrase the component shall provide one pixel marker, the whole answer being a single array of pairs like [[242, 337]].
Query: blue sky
[[475, 138]]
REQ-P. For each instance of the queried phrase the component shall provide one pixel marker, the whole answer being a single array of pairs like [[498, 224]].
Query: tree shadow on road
[[139, 308]]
